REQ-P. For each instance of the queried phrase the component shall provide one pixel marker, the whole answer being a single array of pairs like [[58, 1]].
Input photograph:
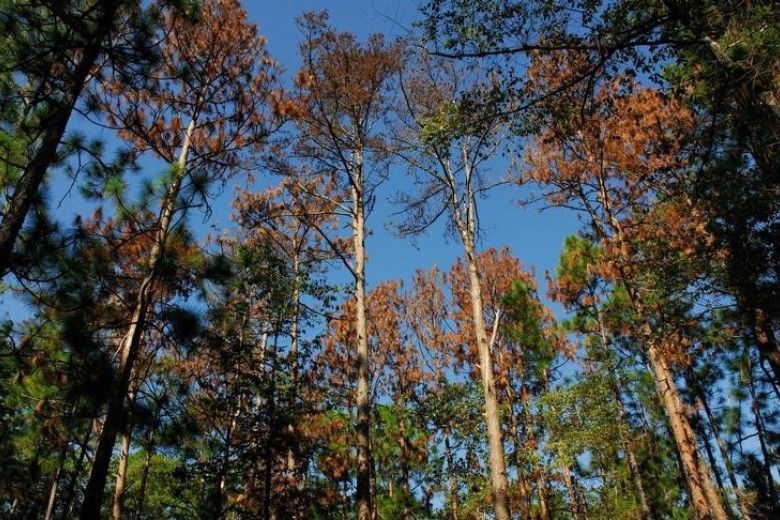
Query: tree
[[52, 51], [446, 143], [719, 56], [342, 96], [581, 161], [215, 75]]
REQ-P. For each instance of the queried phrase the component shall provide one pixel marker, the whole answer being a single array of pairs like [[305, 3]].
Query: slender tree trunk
[[269, 451], [497, 462], [363, 430], [522, 481], [69, 495], [291, 462], [221, 491], [628, 446], [703, 404], [54, 127], [404, 449], [55, 483], [374, 505], [121, 474], [767, 346], [705, 506], [125, 437], [93, 495], [633, 466], [541, 480], [544, 509], [574, 503], [144, 479], [451, 483], [761, 430]]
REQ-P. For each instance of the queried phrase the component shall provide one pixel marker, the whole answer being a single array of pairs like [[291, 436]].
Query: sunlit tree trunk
[[703, 404], [125, 437], [700, 487], [492, 417], [121, 474], [363, 431], [568, 482], [55, 483], [705, 502]]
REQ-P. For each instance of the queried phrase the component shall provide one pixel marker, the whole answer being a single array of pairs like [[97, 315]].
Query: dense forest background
[[187, 224]]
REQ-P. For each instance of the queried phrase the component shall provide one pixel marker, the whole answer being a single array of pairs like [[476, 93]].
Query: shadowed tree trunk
[[54, 125], [93, 496]]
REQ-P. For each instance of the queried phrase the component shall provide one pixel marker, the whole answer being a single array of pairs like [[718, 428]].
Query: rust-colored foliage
[[215, 70]]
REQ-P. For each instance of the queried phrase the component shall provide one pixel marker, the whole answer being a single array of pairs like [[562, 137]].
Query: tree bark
[[704, 505], [574, 503], [633, 465], [144, 479], [55, 483], [67, 505], [291, 462], [121, 475], [404, 453], [497, 462], [363, 430], [93, 495], [703, 404]]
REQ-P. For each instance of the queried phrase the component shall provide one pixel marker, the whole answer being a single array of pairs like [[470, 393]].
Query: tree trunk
[[633, 465], [54, 127], [67, 505], [291, 460], [697, 477], [363, 430], [524, 490], [574, 503], [451, 483], [269, 451], [761, 430], [767, 347], [544, 510], [404, 452], [498, 478], [221, 490], [703, 404], [121, 475], [144, 479], [93, 495], [55, 484]]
